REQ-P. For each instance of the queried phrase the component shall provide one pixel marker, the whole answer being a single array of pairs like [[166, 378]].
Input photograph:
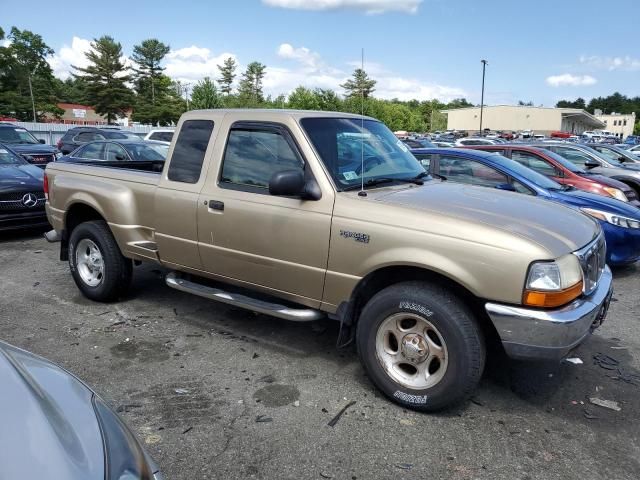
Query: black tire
[[465, 346], [116, 277]]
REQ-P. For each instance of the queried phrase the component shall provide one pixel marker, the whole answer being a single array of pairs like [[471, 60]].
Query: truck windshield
[[354, 150], [17, 136]]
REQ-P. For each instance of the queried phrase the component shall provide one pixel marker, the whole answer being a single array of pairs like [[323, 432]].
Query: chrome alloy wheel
[[89, 262], [411, 350]]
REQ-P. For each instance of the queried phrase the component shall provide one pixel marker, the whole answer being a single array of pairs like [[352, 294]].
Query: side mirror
[[591, 164], [506, 186], [41, 141], [291, 183], [119, 156]]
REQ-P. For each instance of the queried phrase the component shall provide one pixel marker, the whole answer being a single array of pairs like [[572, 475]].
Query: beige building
[[620, 125], [541, 120]]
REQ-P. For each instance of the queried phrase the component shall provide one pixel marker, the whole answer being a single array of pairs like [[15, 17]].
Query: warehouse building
[[542, 120], [618, 124]]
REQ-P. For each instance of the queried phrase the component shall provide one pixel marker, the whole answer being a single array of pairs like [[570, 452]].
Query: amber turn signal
[[537, 298]]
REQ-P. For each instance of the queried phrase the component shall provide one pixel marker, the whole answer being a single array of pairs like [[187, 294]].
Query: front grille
[[592, 259], [19, 201], [39, 159]]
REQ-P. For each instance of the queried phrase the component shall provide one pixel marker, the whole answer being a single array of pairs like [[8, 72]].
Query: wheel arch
[[381, 278], [76, 213]]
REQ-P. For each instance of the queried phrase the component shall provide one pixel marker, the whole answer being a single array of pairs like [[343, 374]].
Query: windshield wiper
[[372, 182], [437, 175]]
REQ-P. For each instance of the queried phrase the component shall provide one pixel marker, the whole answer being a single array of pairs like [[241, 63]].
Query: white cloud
[[568, 80], [368, 6], [191, 64], [62, 60], [611, 63], [301, 54]]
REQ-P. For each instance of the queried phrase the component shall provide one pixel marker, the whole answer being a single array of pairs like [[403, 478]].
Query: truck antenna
[[362, 193]]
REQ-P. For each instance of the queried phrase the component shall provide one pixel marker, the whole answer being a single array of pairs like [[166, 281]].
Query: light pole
[[33, 102], [484, 66]]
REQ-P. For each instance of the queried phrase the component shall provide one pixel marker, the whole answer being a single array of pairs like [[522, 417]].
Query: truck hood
[[49, 428], [20, 177], [558, 229], [33, 149]]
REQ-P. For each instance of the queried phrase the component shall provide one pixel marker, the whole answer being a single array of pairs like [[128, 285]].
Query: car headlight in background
[[552, 284], [616, 193], [612, 218]]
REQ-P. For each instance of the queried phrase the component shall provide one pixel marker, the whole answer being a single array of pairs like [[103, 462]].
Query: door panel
[[246, 234]]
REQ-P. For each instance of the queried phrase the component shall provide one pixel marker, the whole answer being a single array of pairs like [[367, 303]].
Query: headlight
[[616, 193], [612, 218], [124, 457], [555, 283]]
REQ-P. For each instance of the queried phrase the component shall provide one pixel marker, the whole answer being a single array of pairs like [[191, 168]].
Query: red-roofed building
[[76, 114]]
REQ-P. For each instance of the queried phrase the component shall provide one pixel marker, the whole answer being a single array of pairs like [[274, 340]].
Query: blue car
[[620, 222]]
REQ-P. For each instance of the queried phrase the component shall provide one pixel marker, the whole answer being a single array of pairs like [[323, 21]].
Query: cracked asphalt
[[218, 392]]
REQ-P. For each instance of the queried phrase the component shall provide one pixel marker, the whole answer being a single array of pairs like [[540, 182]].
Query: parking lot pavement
[[217, 392]]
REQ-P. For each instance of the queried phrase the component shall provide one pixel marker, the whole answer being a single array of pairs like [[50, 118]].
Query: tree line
[[28, 88]]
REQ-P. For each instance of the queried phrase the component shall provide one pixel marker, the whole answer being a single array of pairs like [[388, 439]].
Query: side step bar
[[174, 280]]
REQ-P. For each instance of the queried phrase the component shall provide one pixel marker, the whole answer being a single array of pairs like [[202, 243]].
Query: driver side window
[[253, 155], [114, 151]]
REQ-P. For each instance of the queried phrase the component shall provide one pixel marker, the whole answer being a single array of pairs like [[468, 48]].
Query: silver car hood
[[48, 426]]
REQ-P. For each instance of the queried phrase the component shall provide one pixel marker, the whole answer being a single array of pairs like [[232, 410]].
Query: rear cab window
[[189, 151]]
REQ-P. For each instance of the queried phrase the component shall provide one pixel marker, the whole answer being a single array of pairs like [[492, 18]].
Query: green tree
[[24, 69], [250, 90], [459, 103], [168, 107], [71, 90], [303, 98], [577, 103], [205, 95], [148, 55], [522, 103], [636, 128], [227, 75], [328, 100], [106, 78], [360, 85]]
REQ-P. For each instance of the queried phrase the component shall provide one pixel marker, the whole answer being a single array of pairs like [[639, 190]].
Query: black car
[[136, 154], [25, 144], [77, 136], [21, 192]]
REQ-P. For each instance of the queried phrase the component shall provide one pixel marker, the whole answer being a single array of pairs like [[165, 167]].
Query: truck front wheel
[[421, 345], [96, 263]]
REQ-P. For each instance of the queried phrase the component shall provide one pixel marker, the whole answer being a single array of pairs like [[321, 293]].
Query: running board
[[174, 280]]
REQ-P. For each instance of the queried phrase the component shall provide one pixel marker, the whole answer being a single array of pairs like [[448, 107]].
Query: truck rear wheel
[[96, 263], [421, 345]]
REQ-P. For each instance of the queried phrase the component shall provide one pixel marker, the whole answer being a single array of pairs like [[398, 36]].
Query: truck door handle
[[216, 205]]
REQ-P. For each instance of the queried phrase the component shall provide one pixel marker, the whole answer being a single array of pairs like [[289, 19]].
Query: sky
[[540, 50]]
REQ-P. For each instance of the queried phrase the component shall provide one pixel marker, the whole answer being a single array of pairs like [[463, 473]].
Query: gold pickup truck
[[311, 215]]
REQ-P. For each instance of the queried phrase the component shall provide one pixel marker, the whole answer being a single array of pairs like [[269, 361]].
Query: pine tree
[[227, 75], [148, 56], [251, 84], [106, 79], [205, 95], [360, 85]]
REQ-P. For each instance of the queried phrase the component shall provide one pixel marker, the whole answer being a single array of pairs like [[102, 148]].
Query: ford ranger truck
[[309, 215]]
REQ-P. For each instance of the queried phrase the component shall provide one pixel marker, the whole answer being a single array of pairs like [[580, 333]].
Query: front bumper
[[19, 220], [536, 334]]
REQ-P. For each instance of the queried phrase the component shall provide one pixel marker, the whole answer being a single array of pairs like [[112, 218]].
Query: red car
[[562, 171]]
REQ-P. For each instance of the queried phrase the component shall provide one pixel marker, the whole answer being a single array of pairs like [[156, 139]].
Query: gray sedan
[[588, 158], [55, 427]]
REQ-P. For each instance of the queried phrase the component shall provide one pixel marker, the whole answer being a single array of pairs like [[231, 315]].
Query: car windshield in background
[[355, 151], [564, 162], [139, 151], [161, 148], [123, 135], [9, 158], [616, 154], [16, 136], [525, 172]]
